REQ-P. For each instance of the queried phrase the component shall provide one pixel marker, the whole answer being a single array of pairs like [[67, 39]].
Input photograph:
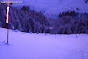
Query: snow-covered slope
[[53, 7], [43, 46]]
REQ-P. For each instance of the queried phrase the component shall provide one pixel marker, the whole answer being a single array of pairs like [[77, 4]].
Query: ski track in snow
[[43, 46]]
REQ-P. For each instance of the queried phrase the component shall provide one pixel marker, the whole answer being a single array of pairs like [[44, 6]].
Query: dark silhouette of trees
[[25, 8], [86, 1], [68, 13]]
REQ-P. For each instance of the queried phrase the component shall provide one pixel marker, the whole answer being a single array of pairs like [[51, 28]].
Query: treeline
[[71, 25], [73, 14], [26, 20]]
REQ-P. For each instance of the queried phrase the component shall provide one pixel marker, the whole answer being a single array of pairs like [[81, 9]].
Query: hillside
[[24, 19], [27, 20]]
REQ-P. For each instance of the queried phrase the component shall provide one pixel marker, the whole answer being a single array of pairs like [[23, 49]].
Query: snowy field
[[43, 46]]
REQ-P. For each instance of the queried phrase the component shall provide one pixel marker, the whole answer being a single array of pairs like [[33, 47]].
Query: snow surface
[[53, 7], [43, 46]]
